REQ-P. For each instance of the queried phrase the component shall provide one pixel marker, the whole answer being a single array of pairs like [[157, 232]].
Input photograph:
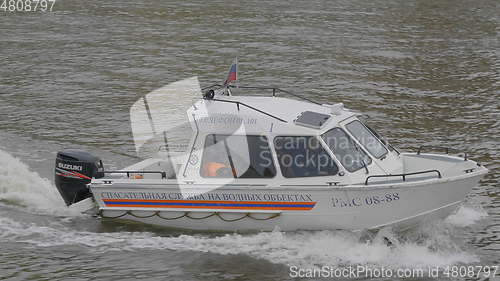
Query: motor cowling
[[73, 171]]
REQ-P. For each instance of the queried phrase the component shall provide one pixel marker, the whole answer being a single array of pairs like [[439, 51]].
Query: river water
[[427, 73]]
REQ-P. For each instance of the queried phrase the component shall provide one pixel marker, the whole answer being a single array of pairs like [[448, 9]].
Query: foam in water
[[466, 216], [20, 186], [305, 249]]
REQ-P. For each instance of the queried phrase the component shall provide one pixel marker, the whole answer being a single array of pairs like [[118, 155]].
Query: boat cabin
[[260, 140], [277, 141]]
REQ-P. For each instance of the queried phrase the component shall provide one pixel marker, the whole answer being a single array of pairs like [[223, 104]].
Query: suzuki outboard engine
[[74, 170]]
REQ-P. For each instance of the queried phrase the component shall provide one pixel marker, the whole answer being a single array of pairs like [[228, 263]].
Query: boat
[[277, 161]]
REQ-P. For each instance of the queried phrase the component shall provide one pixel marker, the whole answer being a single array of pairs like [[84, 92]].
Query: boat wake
[[466, 216], [427, 246], [19, 186], [430, 246]]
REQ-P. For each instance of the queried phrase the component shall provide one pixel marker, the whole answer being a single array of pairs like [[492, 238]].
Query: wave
[[429, 246], [19, 186], [305, 249], [467, 215]]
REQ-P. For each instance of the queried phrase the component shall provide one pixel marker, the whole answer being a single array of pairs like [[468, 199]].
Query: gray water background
[[427, 73]]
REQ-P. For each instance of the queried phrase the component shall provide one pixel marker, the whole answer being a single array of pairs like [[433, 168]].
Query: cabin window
[[230, 156], [346, 150], [367, 139], [303, 156]]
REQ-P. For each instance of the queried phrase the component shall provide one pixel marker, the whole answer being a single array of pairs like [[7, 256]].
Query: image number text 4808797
[[27, 5]]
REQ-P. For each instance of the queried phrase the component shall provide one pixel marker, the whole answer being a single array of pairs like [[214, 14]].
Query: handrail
[[275, 91], [447, 149], [238, 103], [163, 174], [211, 86], [404, 175]]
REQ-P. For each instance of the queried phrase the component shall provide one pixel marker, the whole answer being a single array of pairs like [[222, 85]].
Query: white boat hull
[[288, 208], [257, 163]]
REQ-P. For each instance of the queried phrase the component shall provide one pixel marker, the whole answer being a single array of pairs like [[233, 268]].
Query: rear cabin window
[[230, 156], [303, 156], [345, 149], [367, 139]]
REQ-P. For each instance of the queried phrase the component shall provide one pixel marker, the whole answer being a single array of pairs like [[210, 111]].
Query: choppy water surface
[[427, 72]]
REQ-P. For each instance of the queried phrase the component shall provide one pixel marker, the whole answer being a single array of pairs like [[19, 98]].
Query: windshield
[[344, 148], [379, 136], [367, 139]]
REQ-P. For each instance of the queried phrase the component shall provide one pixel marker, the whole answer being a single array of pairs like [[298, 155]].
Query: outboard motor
[[74, 170]]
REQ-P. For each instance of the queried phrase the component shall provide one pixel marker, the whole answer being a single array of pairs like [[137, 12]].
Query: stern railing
[[163, 174]]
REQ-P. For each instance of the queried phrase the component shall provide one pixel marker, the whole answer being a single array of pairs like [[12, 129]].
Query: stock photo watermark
[[364, 271], [27, 5]]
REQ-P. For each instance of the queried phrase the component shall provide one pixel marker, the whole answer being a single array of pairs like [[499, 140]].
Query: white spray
[[23, 187]]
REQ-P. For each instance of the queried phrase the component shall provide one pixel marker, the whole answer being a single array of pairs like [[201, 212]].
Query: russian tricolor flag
[[233, 73]]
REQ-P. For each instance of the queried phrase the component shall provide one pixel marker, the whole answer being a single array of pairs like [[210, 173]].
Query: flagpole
[[231, 76], [236, 63]]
